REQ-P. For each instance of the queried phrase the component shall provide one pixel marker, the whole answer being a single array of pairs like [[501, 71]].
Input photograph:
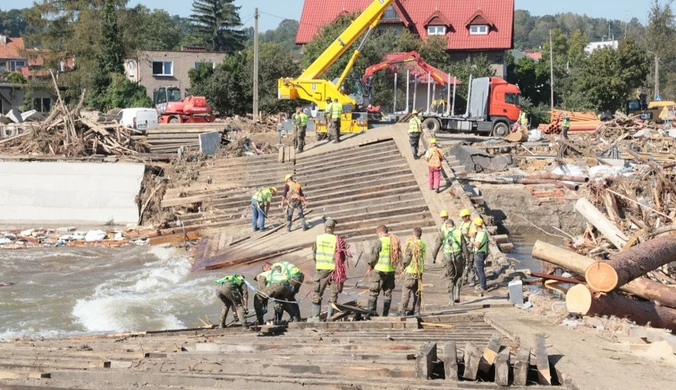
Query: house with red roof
[[472, 27]]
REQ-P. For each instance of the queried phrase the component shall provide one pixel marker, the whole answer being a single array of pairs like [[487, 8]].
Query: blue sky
[[611, 9]]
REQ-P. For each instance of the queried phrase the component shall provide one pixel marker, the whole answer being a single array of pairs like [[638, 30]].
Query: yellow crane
[[309, 86]]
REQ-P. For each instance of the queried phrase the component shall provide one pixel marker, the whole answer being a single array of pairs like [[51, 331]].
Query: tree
[[122, 93], [154, 30], [16, 78], [112, 53], [217, 24], [660, 34], [531, 76], [225, 88], [13, 23]]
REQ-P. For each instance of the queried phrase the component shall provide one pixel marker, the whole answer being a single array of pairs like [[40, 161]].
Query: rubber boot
[[296, 313], [386, 308], [329, 313], [224, 314], [242, 317], [304, 224], [278, 317], [372, 305], [288, 226], [316, 310], [457, 294], [450, 296]]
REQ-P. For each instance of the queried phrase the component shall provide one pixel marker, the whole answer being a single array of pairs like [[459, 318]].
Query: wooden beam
[[521, 367], [606, 227], [424, 361], [502, 368], [450, 356], [492, 349], [542, 360], [472, 359]]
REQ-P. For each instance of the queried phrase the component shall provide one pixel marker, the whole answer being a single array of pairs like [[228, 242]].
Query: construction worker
[[295, 200], [272, 284], [523, 119], [324, 253], [468, 231], [328, 111], [480, 245], [415, 251], [382, 272], [296, 278], [434, 157], [260, 205], [336, 116], [565, 125], [454, 262], [414, 133], [439, 106], [441, 236], [300, 124], [233, 293]]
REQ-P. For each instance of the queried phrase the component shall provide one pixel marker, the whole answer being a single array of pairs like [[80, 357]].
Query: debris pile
[[65, 236]]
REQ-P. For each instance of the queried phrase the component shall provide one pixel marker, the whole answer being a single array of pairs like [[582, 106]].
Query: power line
[[285, 18]]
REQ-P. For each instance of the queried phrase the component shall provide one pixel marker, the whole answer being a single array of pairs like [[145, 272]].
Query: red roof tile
[[317, 13], [437, 19], [536, 55], [12, 49], [479, 18]]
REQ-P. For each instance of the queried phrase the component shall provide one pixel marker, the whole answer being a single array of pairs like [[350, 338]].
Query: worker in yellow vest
[[434, 157], [336, 116], [382, 272], [324, 251], [294, 198], [441, 236], [454, 261], [328, 112], [415, 251], [296, 278], [272, 284], [300, 124], [480, 245], [468, 231], [233, 293], [565, 125], [523, 119], [414, 133], [260, 205]]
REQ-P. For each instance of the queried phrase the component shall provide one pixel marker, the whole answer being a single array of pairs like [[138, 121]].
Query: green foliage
[[274, 63], [112, 53], [475, 66], [217, 24], [532, 77], [122, 93], [13, 22], [16, 78], [284, 36], [155, 30], [537, 114], [609, 77]]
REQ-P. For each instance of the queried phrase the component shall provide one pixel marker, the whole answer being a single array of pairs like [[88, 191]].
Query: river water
[[61, 292]]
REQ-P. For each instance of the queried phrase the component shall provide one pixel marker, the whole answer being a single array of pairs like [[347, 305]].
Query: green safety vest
[[566, 122], [336, 111], [288, 268], [467, 227], [444, 229], [414, 125], [274, 277], [328, 110], [384, 262], [523, 119], [300, 119], [481, 237], [325, 258], [235, 279], [421, 262], [262, 196], [453, 241]]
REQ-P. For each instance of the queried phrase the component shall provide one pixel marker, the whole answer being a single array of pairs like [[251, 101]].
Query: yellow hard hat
[[444, 213], [433, 141], [287, 177], [273, 190], [478, 222], [415, 112], [465, 213]]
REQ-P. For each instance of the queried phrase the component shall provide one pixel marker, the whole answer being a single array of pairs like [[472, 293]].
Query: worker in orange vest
[[434, 157], [295, 199]]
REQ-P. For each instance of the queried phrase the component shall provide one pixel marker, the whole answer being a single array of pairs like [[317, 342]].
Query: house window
[[14, 65], [3, 66], [42, 104], [436, 30], [478, 29], [390, 14], [210, 64], [163, 68]]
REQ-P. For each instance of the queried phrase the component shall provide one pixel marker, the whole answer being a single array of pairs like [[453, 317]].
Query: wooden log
[[581, 300], [611, 207], [472, 359], [623, 267], [175, 238], [502, 368], [600, 222], [521, 367], [553, 176], [492, 349], [642, 287], [450, 355], [542, 360], [424, 360]]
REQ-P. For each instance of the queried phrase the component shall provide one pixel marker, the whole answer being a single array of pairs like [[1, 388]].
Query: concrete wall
[[11, 96], [69, 193], [497, 59]]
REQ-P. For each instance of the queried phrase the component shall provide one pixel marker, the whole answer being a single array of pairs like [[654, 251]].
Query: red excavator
[[411, 56], [173, 108]]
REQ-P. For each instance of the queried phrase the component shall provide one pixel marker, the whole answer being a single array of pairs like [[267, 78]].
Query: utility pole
[[255, 70], [657, 77], [551, 69]]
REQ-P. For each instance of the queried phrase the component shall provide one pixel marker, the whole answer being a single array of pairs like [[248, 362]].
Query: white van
[[142, 119]]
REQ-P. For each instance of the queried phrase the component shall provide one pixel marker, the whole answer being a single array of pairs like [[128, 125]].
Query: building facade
[[154, 69]]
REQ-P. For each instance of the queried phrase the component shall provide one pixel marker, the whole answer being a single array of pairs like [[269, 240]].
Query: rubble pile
[[65, 236]]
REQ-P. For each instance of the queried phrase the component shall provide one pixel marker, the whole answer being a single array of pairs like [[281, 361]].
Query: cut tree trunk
[[581, 300], [623, 267], [600, 222], [642, 287]]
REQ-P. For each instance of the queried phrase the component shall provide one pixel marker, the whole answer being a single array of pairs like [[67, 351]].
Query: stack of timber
[[168, 138], [579, 121], [366, 355]]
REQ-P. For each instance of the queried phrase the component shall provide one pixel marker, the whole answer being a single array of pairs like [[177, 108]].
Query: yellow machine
[[309, 86]]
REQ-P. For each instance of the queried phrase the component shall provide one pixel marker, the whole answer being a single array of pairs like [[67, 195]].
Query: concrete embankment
[[69, 192]]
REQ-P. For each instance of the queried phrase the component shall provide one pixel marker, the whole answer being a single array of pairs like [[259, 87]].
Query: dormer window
[[436, 30], [478, 29]]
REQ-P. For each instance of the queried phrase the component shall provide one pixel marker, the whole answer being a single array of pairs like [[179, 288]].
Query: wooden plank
[[472, 359], [433, 325], [174, 238], [542, 360], [502, 368], [521, 367], [450, 356], [493, 348], [424, 360]]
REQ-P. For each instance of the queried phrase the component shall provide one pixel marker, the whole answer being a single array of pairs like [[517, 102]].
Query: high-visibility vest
[[235, 279], [523, 119], [288, 268], [384, 261], [435, 158], [444, 229], [481, 237], [300, 119], [328, 111], [294, 191], [325, 257], [421, 262], [467, 228], [453, 241], [336, 111], [273, 276], [414, 125], [566, 122], [263, 195]]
